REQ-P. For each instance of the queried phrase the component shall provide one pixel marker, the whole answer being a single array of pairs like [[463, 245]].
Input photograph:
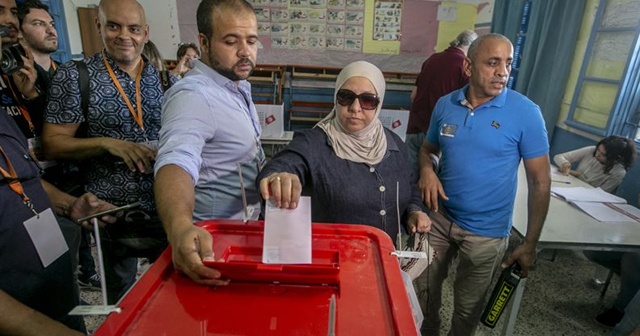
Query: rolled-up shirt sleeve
[[573, 156], [187, 124]]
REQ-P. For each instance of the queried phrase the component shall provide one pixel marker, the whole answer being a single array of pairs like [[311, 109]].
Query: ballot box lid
[[351, 263]]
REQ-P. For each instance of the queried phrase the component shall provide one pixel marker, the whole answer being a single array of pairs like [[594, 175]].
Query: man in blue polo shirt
[[482, 132]]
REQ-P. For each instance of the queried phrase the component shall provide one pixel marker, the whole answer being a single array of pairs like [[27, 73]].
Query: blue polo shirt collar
[[497, 101]]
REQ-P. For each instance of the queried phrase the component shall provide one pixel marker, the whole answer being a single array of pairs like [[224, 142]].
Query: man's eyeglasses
[[368, 101]]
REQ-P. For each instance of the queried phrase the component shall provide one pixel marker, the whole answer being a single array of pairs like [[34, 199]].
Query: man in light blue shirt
[[209, 126]]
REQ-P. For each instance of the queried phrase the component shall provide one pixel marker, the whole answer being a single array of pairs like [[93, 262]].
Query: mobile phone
[[108, 212]]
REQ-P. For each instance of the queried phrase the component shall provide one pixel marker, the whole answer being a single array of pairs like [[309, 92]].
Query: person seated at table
[[350, 162], [630, 324], [603, 165], [627, 264]]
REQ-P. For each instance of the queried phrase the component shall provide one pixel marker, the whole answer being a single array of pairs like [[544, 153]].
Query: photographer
[[25, 71], [36, 287], [18, 78]]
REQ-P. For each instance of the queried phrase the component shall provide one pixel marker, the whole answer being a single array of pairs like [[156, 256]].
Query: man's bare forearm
[[539, 186], [175, 198], [18, 319], [537, 207], [60, 147], [426, 149], [60, 200], [59, 142]]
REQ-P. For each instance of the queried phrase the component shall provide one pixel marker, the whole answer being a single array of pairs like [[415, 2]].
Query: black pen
[[565, 182]]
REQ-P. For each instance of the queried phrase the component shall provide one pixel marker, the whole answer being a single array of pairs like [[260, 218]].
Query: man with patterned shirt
[[122, 118]]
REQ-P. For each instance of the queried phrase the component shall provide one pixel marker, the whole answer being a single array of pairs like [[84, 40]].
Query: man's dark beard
[[42, 48], [228, 72]]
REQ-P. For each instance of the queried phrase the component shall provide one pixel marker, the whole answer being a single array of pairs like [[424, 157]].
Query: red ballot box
[[352, 263]]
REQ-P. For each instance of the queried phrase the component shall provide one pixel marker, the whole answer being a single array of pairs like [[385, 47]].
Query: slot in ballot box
[[353, 287]]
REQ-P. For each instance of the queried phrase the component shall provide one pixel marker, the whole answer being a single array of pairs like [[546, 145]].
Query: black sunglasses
[[368, 101]]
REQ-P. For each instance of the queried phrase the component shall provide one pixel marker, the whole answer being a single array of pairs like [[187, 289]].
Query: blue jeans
[[631, 320], [87, 264], [627, 265], [71, 234]]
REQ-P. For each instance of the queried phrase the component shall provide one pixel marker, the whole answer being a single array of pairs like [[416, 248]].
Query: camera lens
[[12, 58], [7, 60]]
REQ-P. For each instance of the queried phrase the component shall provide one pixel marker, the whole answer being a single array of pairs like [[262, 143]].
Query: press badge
[[46, 236], [35, 146], [448, 130]]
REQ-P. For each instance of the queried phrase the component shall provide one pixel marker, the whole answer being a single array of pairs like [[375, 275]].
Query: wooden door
[[91, 41]]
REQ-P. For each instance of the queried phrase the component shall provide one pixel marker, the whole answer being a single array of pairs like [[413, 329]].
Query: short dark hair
[[183, 47], [204, 14], [24, 8], [475, 45], [619, 150]]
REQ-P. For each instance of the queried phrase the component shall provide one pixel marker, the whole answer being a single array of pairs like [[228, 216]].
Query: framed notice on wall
[[396, 35], [311, 24], [387, 20]]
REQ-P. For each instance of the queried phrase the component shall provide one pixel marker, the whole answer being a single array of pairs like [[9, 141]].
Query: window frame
[[624, 114]]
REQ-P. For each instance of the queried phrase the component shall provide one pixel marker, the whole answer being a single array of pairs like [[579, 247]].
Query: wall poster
[[386, 20], [312, 24]]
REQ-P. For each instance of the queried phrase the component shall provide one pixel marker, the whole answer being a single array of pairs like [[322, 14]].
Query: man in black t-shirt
[[37, 288]]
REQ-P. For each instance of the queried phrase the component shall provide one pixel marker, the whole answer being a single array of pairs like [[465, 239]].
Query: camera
[[11, 55]]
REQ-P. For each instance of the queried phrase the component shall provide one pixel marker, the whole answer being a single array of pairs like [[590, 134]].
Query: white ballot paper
[[287, 234]]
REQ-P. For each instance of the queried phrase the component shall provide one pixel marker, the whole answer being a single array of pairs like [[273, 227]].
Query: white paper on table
[[603, 212], [627, 209], [582, 194], [287, 234]]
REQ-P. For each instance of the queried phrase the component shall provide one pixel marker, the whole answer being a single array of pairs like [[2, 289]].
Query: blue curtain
[[507, 15], [548, 49]]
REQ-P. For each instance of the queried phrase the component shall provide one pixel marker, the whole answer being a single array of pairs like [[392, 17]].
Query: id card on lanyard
[[43, 228], [46, 236]]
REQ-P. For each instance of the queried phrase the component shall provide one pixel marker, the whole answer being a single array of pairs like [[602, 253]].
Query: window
[[606, 97]]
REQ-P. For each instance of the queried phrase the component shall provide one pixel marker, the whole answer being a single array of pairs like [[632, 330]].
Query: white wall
[[162, 17]]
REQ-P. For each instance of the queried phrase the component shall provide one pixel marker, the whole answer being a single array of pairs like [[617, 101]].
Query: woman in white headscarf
[[349, 163]]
